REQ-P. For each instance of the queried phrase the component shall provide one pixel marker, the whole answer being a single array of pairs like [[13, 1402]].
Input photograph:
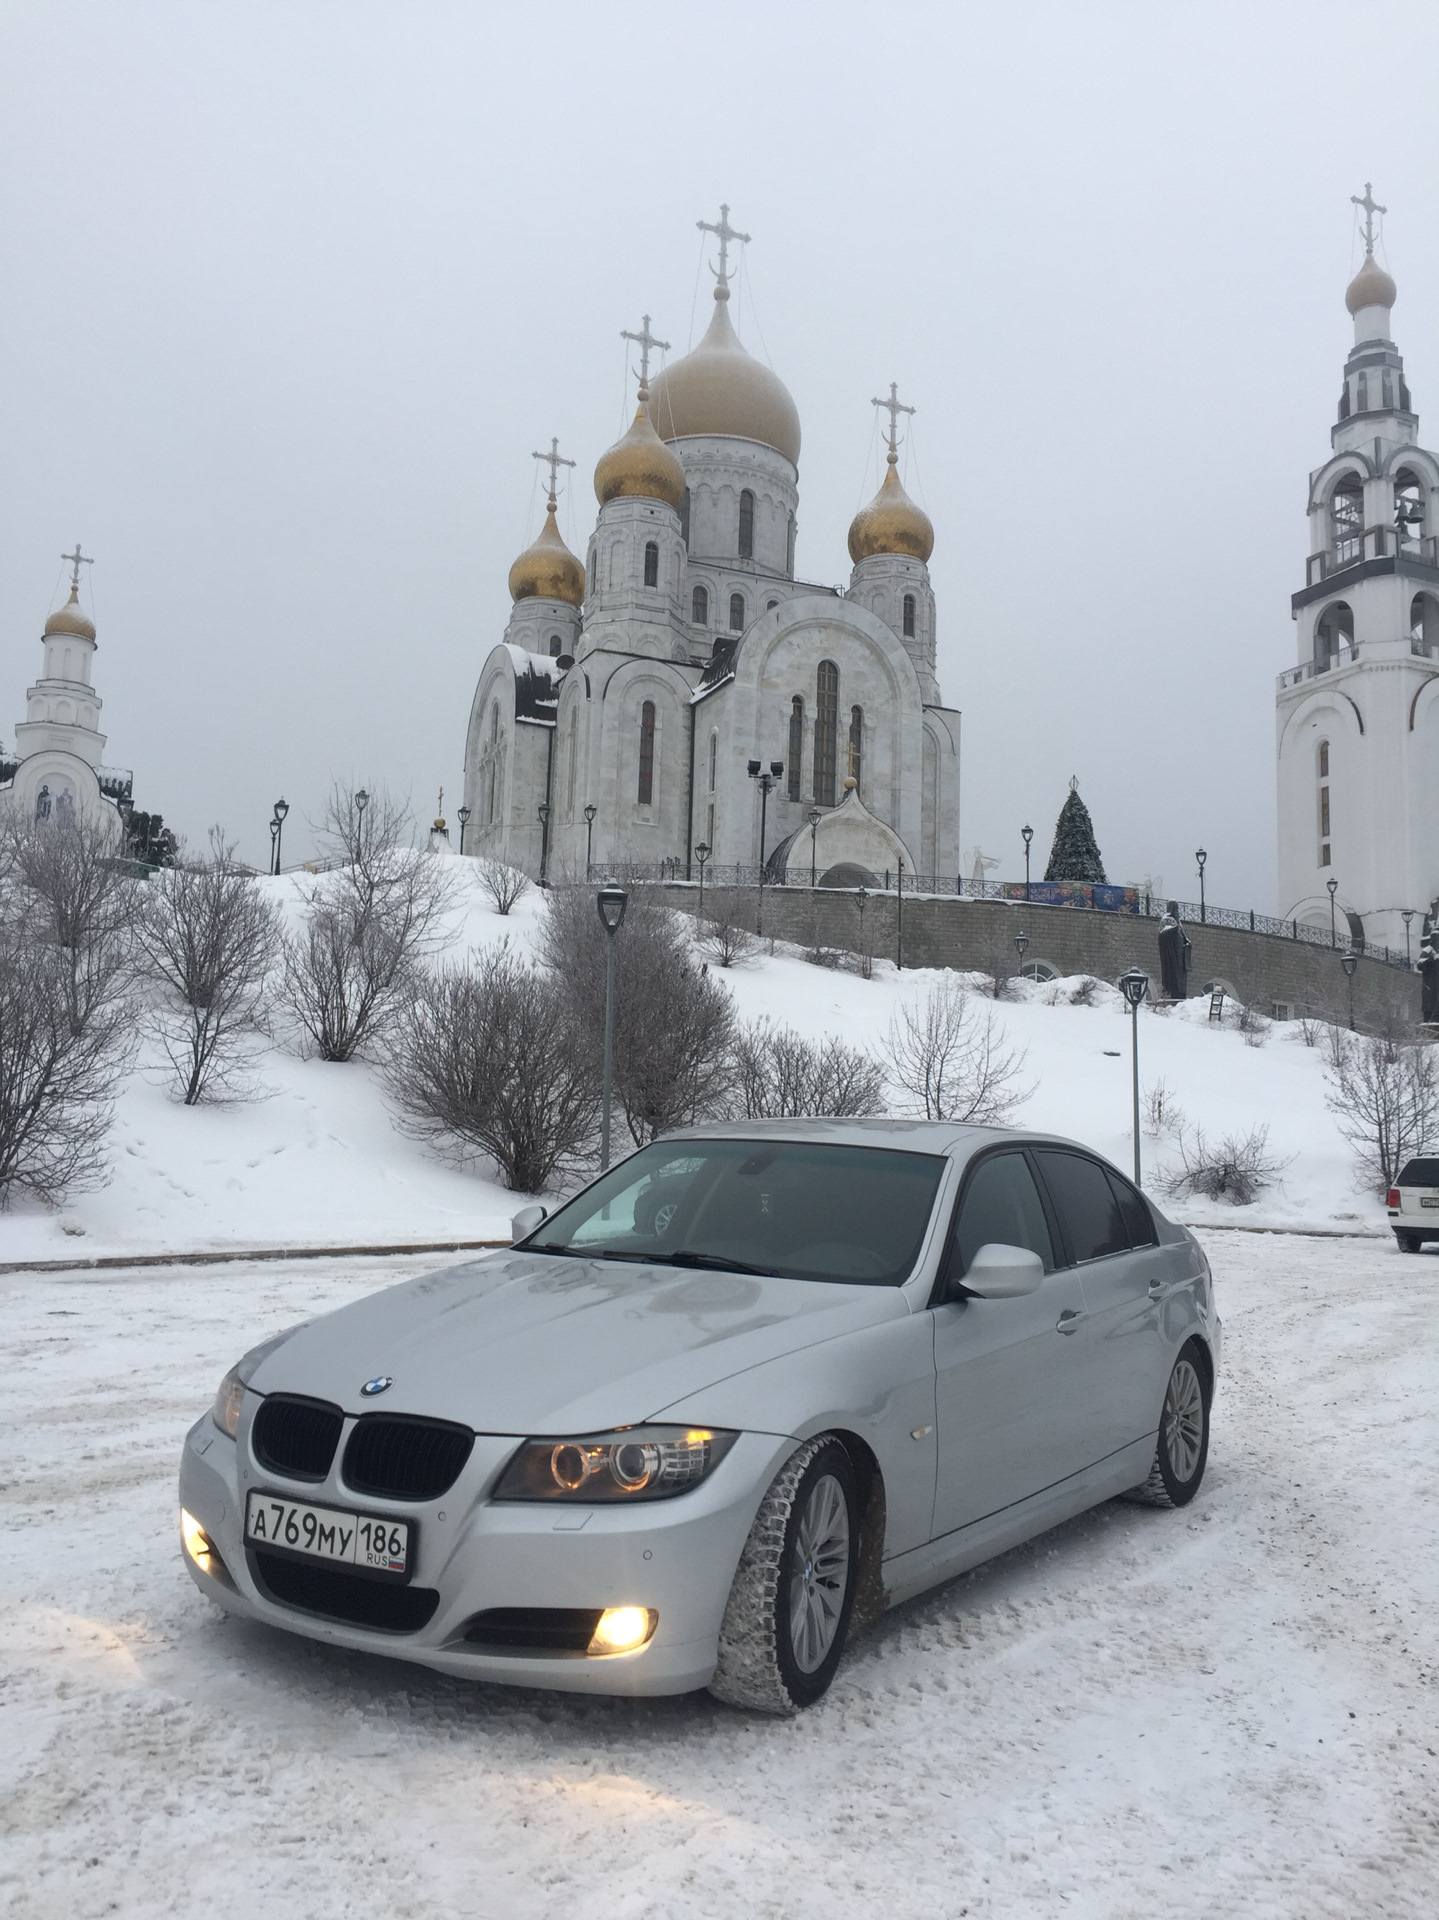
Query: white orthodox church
[[682, 692], [1358, 717]]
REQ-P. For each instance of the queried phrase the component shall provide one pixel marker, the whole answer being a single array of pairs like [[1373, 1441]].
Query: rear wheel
[[789, 1607], [1408, 1242], [1182, 1447]]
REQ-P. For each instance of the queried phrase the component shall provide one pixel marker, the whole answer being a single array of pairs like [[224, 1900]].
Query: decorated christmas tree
[[1075, 855]]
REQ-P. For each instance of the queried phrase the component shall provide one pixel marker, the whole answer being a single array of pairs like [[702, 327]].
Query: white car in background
[[1414, 1205]]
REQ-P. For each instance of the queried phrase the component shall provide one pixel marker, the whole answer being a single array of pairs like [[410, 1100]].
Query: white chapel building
[[636, 696], [1358, 717]]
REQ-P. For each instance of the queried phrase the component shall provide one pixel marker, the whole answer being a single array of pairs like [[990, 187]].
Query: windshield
[[793, 1208]]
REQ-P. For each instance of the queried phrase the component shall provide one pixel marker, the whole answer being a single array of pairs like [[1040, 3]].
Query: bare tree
[[777, 1073], [1162, 1112], [369, 926], [484, 1060], [64, 882], [1383, 1089], [1237, 1169], [673, 1021], [210, 939], [504, 885], [724, 933], [949, 1057]]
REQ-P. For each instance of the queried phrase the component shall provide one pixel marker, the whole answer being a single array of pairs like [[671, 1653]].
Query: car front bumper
[[676, 1556]]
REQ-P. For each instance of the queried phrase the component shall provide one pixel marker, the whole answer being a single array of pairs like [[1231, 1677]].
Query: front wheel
[[1182, 1447], [789, 1607]]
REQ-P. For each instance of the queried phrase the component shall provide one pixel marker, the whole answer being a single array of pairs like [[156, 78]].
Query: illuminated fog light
[[622, 1629], [198, 1545]]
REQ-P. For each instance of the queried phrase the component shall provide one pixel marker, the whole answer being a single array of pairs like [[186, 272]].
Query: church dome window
[[794, 759], [647, 754], [789, 548], [700, 606], [826, 729], [736, 613], [856, 743], [746, 525], [556, 646], [652, 563], [909, 616]]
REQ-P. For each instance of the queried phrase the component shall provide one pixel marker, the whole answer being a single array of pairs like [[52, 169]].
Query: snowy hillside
[[317, 1160]]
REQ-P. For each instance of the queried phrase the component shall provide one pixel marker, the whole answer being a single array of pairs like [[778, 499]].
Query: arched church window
[[555, 645], [652, 563], [1424, 621], [1346, 517], [594, 566], [714, 762], [647, 753], [856, 742], [909, 616], [1333, 630], [796, 748], [1388, 379], [700, 606], [1408, 505], [685, 517], [1324, 828], [736, 612], [746, 525], [1323, 759], [1361, 393], [826, 727], [789, 548]]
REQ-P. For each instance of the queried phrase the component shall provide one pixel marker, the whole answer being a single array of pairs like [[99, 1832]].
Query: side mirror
[[527, 1219], [1002, 1273]]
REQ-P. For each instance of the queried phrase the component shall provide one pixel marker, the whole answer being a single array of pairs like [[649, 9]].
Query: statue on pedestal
[[1174, 954]]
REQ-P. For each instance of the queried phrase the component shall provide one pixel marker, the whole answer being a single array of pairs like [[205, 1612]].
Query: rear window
[[1420, 1173], [1086, 1204]]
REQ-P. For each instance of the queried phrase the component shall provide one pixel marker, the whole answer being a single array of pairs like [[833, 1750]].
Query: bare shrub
[[369, 927], [950, 1059], [64, 883], [778, 1073], [1309, 1029], [209, 939], [504, 885], [1086, 991], [1237, 1169], [1384, 1092], [725, 932], [672, 1022], [1162, 1112], [484, 1060], [1250, 1022]]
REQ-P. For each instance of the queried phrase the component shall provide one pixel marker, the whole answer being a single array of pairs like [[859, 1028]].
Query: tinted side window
[[1001, 1203], [1134, 1209], [1086, 1205]]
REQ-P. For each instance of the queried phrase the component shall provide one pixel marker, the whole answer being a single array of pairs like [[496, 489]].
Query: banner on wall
[[1076, 893]]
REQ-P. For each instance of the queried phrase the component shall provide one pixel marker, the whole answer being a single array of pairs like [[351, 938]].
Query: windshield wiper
[[714, 1261]]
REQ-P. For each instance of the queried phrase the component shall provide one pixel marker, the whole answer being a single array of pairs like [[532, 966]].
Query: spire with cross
[[725, 233], [894, 407], [1371, 206], [75, 561], [554, 460], [645, 340]]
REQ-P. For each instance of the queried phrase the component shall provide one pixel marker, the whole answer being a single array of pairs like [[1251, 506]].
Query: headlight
[[637, 1463], [231, 1397]]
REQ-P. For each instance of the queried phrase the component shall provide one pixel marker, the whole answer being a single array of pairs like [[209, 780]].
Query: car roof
[[951, 1137]]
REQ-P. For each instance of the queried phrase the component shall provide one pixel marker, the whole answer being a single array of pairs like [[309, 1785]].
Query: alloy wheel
[[820, 1573], [1184, 1421]]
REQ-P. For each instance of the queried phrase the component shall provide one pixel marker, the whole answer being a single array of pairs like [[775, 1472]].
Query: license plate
[[327, 1533], [1429, 1199]]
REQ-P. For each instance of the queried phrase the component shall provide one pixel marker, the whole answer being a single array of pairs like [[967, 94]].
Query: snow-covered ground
[[1227, 1712], [318, 1162]]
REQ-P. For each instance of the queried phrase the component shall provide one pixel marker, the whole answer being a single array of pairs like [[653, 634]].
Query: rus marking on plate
[[378, 1384]]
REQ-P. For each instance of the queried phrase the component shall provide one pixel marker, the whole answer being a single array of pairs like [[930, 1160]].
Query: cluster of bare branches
[[1162, 1112], [1383, 1089], [725, 933], [210, 940], [777, 1074], [368, 929], [505, 885], [948, 1058], [1236, 1168]]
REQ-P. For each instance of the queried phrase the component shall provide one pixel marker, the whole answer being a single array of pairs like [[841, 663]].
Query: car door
[[1121, 1267], [1008, 1372]]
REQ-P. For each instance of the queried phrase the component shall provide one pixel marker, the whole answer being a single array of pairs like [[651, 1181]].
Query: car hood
[[542, 1343]]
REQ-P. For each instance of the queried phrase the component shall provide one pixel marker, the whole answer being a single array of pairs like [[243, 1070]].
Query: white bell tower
[[1358, 717]]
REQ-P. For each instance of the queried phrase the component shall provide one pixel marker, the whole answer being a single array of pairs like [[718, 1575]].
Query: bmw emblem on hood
[[378, 1384]]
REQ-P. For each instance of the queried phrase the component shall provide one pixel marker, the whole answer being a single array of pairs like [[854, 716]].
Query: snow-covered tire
[[1408, 1242], [759, 1666], [1182, 1448]]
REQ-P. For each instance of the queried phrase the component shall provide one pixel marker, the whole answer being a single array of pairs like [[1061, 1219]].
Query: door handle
[[1068, 1321]]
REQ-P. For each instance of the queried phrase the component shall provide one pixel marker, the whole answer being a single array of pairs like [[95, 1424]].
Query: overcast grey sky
[[292, 291]]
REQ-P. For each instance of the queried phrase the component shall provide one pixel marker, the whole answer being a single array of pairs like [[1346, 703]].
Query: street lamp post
[[1333, 886], [1349, 962], [1026, 834], [1021, 947], [1134, 985], [702, 853], [899, 919], [277, 827], [611, 902], [1201, 856], [813, 824], [544, 812], [1406, 916], [462, 814], [766, 782], [861, 900], [590, 812]]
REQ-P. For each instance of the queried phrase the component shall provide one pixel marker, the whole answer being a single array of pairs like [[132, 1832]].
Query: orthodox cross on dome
[[554, 460], [894, 407], [75, 561], [645, 340], [725, 233], [1371, 206]]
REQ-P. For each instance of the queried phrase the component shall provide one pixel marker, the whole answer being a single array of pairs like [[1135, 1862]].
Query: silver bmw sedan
[[747, 1389]]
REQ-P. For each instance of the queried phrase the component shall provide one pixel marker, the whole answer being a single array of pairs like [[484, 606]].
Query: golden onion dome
[[891, 523], [548, 570], [70, 619], [1370, 287], [640, 465], [720, 388]]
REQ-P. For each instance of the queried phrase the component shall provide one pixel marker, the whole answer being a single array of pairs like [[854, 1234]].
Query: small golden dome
[[70, 618], [1370, 287], [719, 388], [891, 523], [548, 570], [640, 465]]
